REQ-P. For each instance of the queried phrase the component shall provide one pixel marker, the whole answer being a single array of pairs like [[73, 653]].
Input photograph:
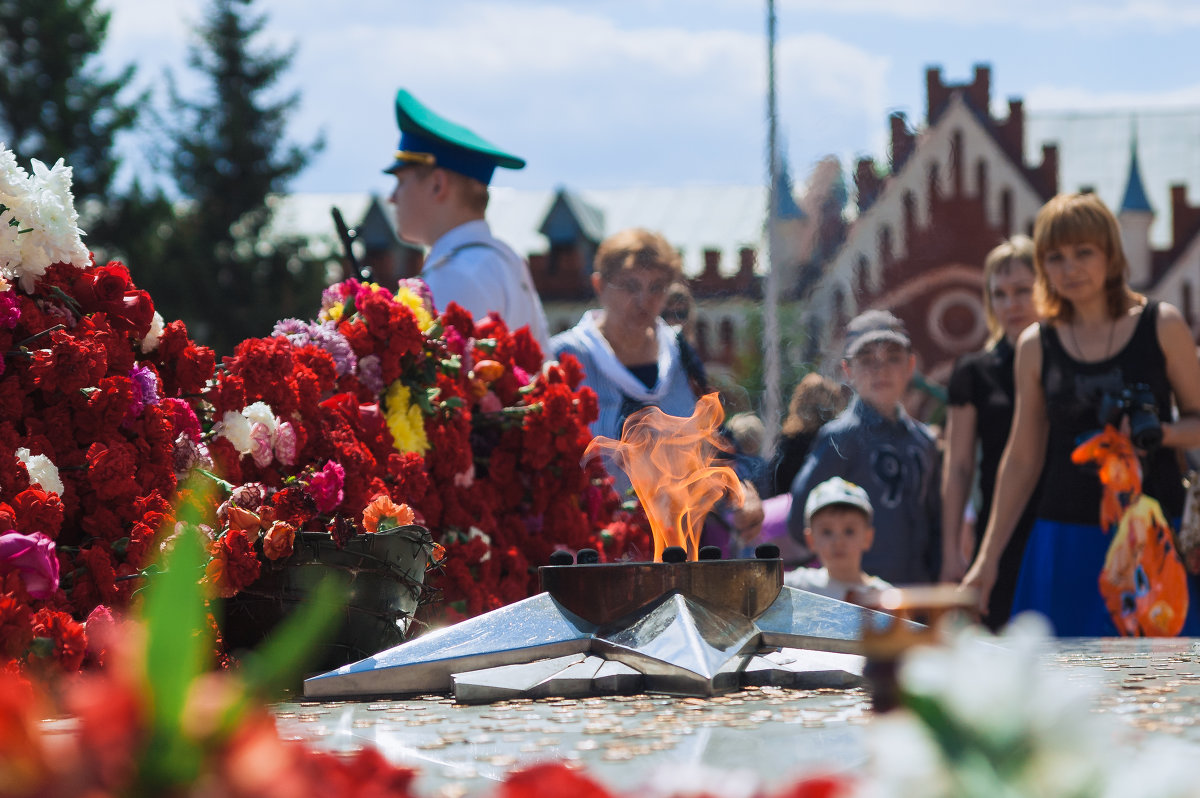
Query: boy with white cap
[[838, 529]]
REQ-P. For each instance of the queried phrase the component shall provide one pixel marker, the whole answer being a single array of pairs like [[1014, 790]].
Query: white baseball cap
[[836, 491]]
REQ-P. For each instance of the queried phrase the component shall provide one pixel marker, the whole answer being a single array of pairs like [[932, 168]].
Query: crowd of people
[[858, 493]]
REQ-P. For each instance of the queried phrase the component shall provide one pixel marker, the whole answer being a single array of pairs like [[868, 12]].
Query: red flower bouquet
[[382, 413], [97, 418]]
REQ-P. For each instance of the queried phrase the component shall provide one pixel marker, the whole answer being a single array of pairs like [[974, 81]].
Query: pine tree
[[227, 155], [56, 103]]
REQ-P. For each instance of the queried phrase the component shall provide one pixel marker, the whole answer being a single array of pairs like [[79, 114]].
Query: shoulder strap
[[693, 366]]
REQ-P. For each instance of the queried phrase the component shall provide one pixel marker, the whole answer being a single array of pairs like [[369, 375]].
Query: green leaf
[[220, 483], [178, 650], [282, 658]]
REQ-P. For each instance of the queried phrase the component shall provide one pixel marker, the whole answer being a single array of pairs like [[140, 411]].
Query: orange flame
[[669, 461]]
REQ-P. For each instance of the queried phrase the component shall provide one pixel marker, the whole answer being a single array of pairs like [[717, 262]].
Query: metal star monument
[[685, 628]]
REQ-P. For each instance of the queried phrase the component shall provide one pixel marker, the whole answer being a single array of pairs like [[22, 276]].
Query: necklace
[[1112, 328]]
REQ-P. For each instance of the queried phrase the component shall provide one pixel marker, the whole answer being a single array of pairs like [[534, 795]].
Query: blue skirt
[[1060, 579]]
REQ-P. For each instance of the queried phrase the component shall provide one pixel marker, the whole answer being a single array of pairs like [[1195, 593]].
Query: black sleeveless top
[[1073, 389], [984, 380]]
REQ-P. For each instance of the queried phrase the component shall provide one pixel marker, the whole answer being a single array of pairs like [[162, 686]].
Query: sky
[[616, 93]]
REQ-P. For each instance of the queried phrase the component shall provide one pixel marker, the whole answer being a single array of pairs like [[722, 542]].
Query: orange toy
[[1120, 473], [1143, 581]]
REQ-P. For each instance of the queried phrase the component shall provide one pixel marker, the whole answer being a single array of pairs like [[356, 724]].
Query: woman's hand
[[954, 567], [748, 519], [981, 578]]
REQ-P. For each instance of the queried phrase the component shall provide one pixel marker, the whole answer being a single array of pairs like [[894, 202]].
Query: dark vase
[[385, 572]]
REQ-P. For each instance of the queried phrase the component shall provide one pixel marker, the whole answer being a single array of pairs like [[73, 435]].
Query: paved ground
[[1152, 686]]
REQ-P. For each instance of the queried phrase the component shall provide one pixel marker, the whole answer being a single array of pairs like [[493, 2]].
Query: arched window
[[1006, 211], [885, 251], [910, 212], [935, 187], [702, 336], [956, 162], [981, 179], [725, 333]]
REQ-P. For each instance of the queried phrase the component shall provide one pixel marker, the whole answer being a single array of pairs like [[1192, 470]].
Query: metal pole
[[771, 365]]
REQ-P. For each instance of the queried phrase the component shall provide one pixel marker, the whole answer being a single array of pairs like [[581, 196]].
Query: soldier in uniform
[[442, 174]]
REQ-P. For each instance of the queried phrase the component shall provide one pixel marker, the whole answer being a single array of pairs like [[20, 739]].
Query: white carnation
[[235, 427], [42, 472], [261, 413], [150, 342]]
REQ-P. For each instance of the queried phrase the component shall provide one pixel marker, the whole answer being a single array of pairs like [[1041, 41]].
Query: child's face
[[880, 374], [839, 535]]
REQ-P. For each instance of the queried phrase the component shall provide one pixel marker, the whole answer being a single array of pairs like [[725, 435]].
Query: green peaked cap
[[424, 133]]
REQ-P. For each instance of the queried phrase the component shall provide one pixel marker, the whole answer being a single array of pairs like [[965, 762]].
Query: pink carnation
[[285, 443], [260, 444], [325, 487]]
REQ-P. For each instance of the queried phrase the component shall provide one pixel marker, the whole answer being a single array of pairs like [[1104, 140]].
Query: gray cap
[[872, 327]]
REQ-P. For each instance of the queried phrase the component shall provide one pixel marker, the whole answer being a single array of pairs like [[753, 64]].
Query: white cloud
[[586, 98]]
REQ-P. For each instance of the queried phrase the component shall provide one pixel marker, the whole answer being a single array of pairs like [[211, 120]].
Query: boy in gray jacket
[[877, 445]]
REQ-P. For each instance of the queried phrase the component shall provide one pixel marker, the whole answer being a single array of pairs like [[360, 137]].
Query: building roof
[[1094, 149], [693, 218], [1135, 192]]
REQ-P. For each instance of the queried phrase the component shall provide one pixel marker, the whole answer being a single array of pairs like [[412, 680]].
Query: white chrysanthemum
[[235, 427], [261, 413], [42, 472], [10, 244], [150, 342], [57, 215], [13, 178], [47, 224]]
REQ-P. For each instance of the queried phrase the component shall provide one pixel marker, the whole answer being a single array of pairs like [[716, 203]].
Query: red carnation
[[37, 510], [112, 469], [16, 631], [70, 364], [70, 641]]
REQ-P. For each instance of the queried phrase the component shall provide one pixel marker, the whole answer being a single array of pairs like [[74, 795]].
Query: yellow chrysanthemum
[[405, 420], [409, 299], [333, 312]]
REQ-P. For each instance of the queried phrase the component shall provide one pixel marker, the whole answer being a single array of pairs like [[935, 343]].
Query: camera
[[1138, 404]]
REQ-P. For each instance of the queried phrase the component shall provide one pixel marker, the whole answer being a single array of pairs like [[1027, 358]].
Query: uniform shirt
[[817, 580], [470, 266], [896, 462]]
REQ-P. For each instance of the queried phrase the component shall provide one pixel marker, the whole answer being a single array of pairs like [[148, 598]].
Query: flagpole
[[771, 364]]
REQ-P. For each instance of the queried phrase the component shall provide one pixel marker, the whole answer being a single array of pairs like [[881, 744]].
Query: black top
[[1073, 390], [788, 460], [646, 372], [984, 380]]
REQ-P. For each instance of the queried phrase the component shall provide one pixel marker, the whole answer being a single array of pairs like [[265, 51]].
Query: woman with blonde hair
[[981, 399], [631, 358], [1097, 338]]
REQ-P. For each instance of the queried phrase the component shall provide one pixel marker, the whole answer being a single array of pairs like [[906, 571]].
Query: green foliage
[[227, 155], [179, 649], [55, 103]]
